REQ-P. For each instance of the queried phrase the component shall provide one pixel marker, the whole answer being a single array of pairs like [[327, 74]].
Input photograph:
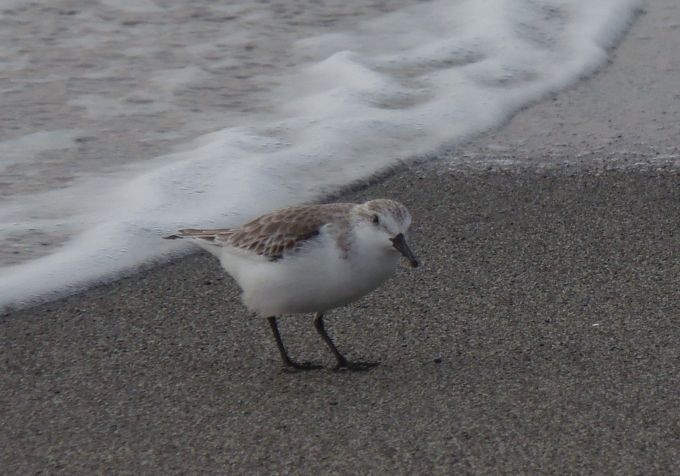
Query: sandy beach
[[539, 336]]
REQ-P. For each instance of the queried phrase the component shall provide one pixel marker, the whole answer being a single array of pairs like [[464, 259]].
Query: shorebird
[[310, 259]]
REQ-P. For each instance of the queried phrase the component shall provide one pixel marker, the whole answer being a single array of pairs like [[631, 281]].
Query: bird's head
[[386, 223]]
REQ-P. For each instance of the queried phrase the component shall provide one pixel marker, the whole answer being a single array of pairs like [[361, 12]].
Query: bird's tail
[[208, 235]]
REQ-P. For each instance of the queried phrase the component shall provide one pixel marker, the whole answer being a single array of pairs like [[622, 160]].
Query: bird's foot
[[355, 366], [292, 366]]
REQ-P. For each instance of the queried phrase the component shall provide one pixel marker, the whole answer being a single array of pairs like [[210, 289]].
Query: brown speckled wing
[[282, 231]]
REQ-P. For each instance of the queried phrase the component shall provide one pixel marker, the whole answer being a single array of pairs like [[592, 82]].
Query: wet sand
[[540, 335]]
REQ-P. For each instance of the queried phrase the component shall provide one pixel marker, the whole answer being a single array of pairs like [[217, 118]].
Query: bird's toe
[[355, 366]]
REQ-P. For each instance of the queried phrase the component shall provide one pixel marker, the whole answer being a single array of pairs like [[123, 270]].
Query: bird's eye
[[376, 220]]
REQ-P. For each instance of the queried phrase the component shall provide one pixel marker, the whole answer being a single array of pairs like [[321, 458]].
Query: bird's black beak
[[399, 242]]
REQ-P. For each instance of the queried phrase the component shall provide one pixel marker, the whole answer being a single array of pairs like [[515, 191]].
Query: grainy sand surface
[[540, 335]]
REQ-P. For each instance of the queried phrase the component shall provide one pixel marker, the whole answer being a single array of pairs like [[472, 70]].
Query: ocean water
[[123, 120]]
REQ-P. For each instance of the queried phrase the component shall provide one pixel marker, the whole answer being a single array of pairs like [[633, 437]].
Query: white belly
[[317, 281]]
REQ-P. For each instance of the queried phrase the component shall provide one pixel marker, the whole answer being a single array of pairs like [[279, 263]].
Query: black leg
[[284, 355], [342, 361]]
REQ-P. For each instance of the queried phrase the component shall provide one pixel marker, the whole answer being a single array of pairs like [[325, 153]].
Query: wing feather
[[275, 233]]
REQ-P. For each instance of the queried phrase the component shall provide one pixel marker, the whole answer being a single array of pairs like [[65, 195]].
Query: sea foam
[[393, 88]]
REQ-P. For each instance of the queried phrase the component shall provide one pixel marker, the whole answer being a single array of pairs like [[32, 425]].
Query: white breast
[[317, 279]]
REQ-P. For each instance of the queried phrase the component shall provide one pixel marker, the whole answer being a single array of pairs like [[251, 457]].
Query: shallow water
[[88, 86], [123, 120]]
